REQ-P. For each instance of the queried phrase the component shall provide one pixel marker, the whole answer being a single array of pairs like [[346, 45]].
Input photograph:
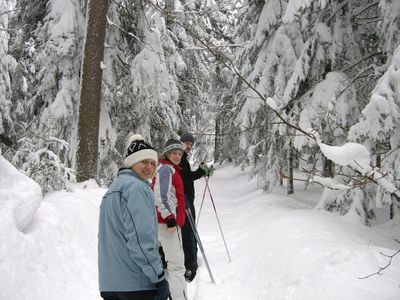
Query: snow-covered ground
[[280, 247]]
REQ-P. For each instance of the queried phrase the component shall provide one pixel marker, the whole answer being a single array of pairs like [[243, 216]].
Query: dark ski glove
[[205, 169], [208, 171], [171, 223], [163, 290]]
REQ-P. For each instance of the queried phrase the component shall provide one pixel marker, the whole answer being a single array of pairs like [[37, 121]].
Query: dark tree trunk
[[90, 98], [290, 185], [328, 167], [217, 140]]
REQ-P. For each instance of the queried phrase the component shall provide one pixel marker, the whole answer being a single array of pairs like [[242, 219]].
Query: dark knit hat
[[172, 144], [187, 137], [138, 150]]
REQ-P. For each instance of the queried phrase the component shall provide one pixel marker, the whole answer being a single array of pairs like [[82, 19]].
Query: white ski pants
[[172, 247]]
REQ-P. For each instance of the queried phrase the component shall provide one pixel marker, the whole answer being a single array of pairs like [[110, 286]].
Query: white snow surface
[[20, 197], [280, 246]]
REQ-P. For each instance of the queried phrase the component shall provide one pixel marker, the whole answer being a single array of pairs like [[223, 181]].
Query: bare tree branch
[[379, 272]]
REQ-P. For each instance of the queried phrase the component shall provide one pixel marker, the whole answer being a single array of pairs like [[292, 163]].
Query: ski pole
[[196, 235], [219, 224], [202, 201]]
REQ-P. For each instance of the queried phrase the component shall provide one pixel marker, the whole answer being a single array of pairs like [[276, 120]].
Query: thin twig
[[379, 272]]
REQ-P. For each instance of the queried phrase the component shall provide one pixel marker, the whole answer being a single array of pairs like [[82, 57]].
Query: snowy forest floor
[[280, 247]]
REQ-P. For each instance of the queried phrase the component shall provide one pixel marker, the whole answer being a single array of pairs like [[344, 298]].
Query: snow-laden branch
[[357, 157], [330, 183]]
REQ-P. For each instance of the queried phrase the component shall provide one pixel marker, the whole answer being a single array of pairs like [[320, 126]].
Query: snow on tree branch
[[357, 157]]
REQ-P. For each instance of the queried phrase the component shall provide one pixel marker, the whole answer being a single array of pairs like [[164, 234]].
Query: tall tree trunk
[[327, 167], [391, 212], [90, 98], [290, 185], [281, 176], [217, 139], [378, 164]]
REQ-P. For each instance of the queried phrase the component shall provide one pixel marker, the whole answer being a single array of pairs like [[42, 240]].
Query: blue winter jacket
[[128, 255]]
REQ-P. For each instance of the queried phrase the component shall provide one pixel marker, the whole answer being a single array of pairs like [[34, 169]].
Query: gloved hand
[[163, 290], [206, 170], [211, 171], [171, 225], [171, 222]]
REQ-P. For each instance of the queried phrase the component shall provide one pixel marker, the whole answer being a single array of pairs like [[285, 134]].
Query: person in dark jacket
[[129, 263], [188, 177]]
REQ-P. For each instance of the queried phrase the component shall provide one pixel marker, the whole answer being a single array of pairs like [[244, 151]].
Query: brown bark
[[91, 83], [290, 184]]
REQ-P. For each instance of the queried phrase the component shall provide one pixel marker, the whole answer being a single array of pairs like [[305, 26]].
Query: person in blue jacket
[[129, 264]]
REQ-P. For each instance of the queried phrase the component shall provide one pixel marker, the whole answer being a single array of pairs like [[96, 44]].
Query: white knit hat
[[138, 150]]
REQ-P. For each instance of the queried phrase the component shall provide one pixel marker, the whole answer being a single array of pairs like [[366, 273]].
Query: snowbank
[[20, 196]]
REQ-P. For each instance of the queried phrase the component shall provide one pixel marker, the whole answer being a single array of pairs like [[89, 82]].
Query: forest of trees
[[247, 78]]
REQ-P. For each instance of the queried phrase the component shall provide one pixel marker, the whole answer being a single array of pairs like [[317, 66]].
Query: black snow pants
[[189, 240]]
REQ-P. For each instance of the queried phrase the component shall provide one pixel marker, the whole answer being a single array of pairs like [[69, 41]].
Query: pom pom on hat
[[138, 150], [172, 144], [135, 137]]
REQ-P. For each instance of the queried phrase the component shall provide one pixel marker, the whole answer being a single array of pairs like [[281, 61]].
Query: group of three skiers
[[137, 216]]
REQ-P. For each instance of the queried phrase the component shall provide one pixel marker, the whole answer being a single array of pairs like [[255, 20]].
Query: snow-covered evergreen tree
[[175, 66], [163, 74], [6, 63], [140, 93], [377, 126], [379, 129], [312, 62], [208, 30], [45, 87]]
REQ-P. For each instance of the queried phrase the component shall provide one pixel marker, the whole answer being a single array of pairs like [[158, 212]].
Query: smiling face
[[145, 168], [188, 146], [174, 156]]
